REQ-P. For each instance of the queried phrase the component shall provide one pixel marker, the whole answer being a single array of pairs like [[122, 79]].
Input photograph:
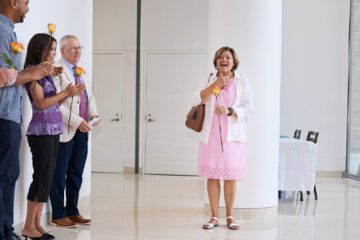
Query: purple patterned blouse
[[46, 121]]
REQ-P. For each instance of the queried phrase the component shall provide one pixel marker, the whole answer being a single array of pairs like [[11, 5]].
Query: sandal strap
[[215, 218], [229, 217], [233, 225], [210, 225]]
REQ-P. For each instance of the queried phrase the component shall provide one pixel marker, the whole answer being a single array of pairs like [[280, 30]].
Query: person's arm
[[206, 93], [35, 73], [42, 102]]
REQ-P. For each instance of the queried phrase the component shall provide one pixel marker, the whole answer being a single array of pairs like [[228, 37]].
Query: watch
[[231, 111]]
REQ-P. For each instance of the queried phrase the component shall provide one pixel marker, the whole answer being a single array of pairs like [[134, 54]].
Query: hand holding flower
[[73, 90], [6, 75], [219, 82]]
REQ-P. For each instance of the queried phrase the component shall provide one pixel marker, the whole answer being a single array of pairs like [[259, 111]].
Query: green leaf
[[8, 61]]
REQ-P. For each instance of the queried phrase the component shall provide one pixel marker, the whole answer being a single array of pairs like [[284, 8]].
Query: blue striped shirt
[[10, 96]]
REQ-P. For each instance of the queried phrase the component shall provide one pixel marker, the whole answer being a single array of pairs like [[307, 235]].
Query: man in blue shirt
[[11, 12]]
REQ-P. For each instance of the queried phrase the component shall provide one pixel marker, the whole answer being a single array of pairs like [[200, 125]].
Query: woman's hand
[[221, 110], [219, 82], [39, 71], [72, 90], [222, 80], [54, 71], [6, 75]]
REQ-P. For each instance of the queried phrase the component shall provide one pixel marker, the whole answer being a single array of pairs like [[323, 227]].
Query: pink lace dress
[[213, 163]]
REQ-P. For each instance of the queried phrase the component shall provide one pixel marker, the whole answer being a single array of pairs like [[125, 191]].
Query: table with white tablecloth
[[297, 165]]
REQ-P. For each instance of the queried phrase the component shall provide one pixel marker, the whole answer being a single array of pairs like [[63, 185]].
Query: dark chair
[[297, 133], [312, 137]]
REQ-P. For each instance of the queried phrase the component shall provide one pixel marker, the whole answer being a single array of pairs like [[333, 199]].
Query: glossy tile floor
[[149, 207]]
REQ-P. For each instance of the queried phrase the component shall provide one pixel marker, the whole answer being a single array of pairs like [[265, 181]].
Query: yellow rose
[[51, 28], [16, 47], [216, 90]]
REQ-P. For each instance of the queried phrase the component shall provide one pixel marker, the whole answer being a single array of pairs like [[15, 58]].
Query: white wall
[[71, 17], [315, 75]]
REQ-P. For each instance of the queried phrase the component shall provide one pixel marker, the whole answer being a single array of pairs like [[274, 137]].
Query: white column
[[253, 29]]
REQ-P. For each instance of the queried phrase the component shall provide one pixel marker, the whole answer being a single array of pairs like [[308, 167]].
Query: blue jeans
[[68, 172], [10, 137]]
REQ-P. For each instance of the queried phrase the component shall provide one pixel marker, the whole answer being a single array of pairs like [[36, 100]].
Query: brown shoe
[[64, 223], [80, 220]]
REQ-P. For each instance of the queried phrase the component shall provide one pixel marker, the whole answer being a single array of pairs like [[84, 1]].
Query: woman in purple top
[[43, 131]]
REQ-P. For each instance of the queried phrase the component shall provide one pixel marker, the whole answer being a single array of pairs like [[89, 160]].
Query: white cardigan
[[242, 107]]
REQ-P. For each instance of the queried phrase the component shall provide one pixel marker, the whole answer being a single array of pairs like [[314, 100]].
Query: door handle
[[115, 119], [149, 119]]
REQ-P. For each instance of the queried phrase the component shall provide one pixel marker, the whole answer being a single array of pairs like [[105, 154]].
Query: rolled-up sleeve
[[245, 108]]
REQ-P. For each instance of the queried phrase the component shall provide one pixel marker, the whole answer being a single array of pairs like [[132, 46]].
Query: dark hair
[[38, 48], [233, 53]]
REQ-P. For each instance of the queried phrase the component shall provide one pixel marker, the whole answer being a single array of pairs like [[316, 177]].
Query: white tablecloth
[[297, 165]]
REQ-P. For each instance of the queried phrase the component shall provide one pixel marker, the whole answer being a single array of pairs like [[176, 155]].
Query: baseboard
[[46, 217], [131, 170], [329, 174]]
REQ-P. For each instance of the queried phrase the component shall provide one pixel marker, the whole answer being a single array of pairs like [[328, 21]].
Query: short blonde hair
[[233, 53]]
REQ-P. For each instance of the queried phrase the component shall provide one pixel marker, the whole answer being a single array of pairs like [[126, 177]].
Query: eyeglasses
[[74, 48]]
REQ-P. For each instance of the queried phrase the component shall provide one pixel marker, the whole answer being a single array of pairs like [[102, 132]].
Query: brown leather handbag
[[196, 115], [195, 118]]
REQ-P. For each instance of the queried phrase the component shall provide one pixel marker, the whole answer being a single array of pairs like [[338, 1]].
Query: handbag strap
[[210, 77]]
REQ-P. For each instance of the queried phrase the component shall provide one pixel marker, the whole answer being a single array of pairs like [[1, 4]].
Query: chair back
[[297, 133], [312, 136]]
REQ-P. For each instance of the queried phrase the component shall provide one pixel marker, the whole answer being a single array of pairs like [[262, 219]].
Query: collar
[[7, 21], [69, 65], [236, 75]]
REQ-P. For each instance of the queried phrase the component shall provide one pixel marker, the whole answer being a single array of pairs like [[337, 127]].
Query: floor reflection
[[148, 207]]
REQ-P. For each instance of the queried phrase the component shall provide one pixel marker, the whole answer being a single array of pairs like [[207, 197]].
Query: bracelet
[[231, 111]]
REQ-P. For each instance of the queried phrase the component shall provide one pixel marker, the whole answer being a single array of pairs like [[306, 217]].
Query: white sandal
[[210, 225], [232, 226]]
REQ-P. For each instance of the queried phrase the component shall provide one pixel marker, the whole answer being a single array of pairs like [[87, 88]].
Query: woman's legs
[[213, 189], [229, 194], [30, 228], [38, 218]]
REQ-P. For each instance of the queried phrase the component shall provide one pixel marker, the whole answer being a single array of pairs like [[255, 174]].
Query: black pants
[[10, 136], [44, 150]]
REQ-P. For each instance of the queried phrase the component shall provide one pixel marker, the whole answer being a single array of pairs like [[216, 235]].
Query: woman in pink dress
[[223, 137]]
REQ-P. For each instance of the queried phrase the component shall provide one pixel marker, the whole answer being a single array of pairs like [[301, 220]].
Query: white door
[[171, 80], [107, 141]]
